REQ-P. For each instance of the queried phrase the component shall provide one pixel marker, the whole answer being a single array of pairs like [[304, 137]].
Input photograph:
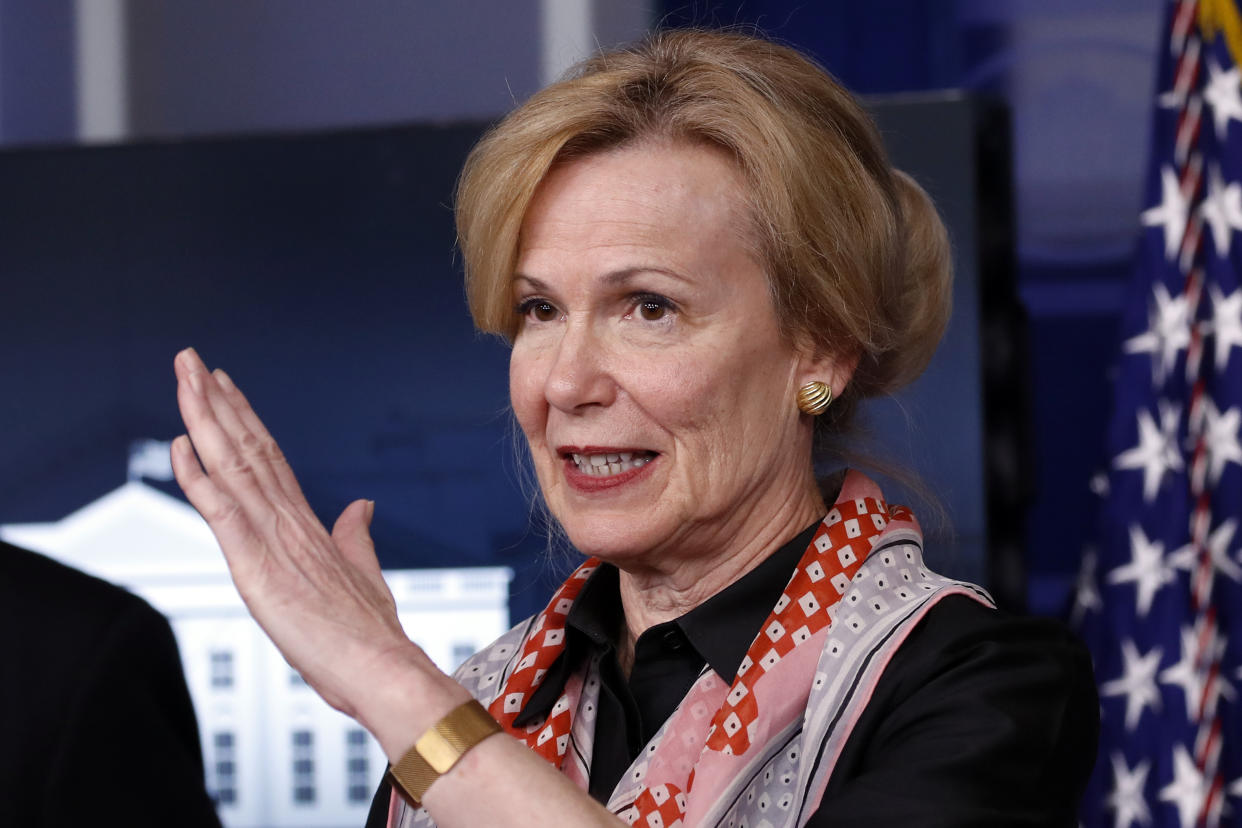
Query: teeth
[[604, 465]]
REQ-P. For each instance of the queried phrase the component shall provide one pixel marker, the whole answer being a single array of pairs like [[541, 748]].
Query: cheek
[[526, 395], [739, 414], [697, 404]]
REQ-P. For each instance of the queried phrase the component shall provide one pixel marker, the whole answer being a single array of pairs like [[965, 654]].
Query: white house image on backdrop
[[275, 754]]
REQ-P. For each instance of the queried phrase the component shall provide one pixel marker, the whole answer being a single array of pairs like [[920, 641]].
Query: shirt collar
[[591, 626], [721, 629]]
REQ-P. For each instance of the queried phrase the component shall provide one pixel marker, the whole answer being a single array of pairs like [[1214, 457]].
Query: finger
[[352, 535], [249, 457], [269, 448], [186, 365], [220, 511], [258, 450], [215, 448]]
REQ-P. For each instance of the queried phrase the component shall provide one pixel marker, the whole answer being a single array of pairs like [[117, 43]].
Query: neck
[[651, 596]]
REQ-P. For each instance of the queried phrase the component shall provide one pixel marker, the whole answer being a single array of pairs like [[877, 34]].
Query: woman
[[702, 259]]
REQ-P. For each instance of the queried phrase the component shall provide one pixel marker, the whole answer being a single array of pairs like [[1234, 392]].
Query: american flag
[[1159, 600]]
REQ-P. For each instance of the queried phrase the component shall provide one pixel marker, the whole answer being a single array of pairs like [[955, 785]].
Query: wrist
[[438, 750], [408, 696]]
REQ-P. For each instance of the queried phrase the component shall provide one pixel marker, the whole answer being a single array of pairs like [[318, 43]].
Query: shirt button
[[673, 640]]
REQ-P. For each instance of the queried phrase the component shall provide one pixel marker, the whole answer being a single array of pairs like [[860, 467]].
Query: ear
[[835, 369]]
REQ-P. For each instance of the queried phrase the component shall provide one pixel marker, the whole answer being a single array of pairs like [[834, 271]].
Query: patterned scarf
[[758, 701], [761, 749]]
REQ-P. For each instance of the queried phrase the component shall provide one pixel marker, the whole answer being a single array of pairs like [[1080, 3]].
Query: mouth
[[596, 469], [608, 464]]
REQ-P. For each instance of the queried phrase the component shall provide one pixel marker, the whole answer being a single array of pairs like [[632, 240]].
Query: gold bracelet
[[439, 749]]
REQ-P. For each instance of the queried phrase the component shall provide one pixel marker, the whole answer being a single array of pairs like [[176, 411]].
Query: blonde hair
[[856, 257]]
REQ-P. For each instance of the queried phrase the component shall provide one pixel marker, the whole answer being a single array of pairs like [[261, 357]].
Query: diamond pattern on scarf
[[660, 806], [771, 794], [841, 543], [549, 738]]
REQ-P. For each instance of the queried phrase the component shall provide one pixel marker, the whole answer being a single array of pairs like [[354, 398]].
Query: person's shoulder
[[964, 649], [35, 577], [38, 590], [958, 622], [98, 690], [981, 718], [59, 624], [62, 629], [959, 614], [959, 629]]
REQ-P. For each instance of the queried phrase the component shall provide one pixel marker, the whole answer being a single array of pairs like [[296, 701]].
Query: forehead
[[680, 203]]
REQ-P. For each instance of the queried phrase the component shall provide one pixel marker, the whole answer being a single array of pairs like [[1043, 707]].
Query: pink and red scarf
[[706, 746], [803, 681]]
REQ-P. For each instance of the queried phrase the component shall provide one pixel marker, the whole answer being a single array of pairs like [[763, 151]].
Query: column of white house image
[[276, 755]]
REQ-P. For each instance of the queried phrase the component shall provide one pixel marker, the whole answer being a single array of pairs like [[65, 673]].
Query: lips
[[606, 464], [595, 468]]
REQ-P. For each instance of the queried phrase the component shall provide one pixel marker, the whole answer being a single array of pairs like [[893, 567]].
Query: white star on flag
[[1171, 212], [1222, 209], [1156, 451], [1169, 332], [1187, 557], [1126, 798], [1223, 93], [1220, 436], [1212, 650], [1218, 548], [1186, 674], [1184, 558], [1146, 569], [1188, 788], [1137, 682], [1226, 323]]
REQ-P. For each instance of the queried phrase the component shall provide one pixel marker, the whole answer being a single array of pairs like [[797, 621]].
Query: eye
[[540, 310], [651, 311], [652, 308]]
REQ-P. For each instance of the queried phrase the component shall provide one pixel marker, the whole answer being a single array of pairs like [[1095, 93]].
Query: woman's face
[[648, 373]]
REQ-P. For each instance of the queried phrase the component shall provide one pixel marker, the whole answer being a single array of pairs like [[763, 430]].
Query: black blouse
[[668, 657]]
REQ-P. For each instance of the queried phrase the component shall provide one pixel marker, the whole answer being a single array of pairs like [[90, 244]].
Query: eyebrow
[[615, 278]]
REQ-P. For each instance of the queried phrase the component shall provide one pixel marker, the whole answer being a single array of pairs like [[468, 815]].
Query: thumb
[[352, 534]]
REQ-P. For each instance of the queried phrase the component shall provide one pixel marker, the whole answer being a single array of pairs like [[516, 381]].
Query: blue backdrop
[[1077, 76]]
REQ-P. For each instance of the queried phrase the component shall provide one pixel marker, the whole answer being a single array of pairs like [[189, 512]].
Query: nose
[[579, 377]]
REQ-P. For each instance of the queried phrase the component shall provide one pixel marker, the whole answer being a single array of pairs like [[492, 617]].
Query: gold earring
[[814, 398]]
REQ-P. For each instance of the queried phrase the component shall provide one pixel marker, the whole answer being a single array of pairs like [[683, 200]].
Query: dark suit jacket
[[96, 725]]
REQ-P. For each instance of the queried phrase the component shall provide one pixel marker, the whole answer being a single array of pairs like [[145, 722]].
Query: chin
[[612, 539]]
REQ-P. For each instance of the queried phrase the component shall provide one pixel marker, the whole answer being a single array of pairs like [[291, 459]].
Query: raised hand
[[320, 597]]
